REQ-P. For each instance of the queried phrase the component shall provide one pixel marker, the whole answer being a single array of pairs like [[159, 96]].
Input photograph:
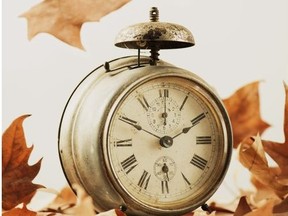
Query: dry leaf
[[67, 203], [262, 193], [19, 212], [84, 204], [17, 175], [65, 199], [243, 207], [281, 207], [252, 156], [244, 111], [279, 151], [64, 18], [266, 210]]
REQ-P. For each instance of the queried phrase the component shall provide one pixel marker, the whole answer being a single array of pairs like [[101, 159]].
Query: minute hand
[[194, 122], [136, 125]]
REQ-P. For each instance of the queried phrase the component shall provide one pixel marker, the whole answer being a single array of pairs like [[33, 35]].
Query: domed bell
[[153, 34]]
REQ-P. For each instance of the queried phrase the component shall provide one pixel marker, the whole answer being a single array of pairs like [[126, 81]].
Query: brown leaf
[[64, 18], [266, 210], [281, 207], [279, 151], [65, 199], [252, 156], [243, 108], [262, 192], [19, 212], [243, 207], [67, 203], [17, 175]]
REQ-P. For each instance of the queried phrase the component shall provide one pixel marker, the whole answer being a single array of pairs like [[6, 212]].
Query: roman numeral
[[198, 161], [203, 140], [184, 101], [197, 119], [164, 93], [123, 143], [164, 187], [142, 100], [127, 120], [185, 179], [144, 180], [129, 163]]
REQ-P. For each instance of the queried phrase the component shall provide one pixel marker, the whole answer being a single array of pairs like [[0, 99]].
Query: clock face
[[165, 143]]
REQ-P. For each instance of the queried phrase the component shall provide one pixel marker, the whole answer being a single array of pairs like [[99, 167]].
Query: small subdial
[[164, 168], [164, 115]]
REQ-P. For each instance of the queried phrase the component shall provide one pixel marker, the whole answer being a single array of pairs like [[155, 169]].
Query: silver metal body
[[82, 131]]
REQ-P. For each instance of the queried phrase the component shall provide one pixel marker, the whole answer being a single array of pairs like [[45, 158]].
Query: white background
[[237, 42]]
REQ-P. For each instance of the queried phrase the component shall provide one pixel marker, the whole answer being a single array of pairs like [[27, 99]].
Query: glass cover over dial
[[165, 143]]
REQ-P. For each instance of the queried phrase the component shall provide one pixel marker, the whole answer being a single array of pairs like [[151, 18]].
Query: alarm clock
[[143, 135]]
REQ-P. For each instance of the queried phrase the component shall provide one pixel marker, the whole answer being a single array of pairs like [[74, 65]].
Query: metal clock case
[[143, 135]]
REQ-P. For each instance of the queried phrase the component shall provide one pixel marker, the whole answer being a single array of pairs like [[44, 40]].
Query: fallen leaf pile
[[64, 18]]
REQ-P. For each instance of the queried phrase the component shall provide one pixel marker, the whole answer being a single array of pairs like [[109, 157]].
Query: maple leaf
[[279, 151], [64, 18], [17, 175], [252, 156], [243, 108]]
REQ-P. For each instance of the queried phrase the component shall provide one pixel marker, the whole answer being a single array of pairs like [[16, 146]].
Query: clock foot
[[123, 208], [205, 207]]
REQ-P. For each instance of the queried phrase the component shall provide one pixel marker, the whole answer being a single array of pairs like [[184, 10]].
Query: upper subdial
[[164, 115]]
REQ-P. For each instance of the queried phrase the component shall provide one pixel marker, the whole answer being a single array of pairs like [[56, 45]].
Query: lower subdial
[[165, 168], [164, 117]]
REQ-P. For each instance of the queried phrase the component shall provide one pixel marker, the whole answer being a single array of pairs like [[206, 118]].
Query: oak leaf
[[64, 18], [17, 175], [279, 151], [243, 108]]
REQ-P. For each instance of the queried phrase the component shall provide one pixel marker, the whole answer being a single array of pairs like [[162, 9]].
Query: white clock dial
[[164, 142]]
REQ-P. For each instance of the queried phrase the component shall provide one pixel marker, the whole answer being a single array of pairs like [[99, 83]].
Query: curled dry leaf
[[243, 108], [64, 18], [279, 151], [17, 175], [252, 156]]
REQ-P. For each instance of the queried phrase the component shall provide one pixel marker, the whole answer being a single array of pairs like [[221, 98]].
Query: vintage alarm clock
[[143, 135]]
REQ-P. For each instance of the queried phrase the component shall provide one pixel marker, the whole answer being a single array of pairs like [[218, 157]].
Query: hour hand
[[135, 125], [130, 122]]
